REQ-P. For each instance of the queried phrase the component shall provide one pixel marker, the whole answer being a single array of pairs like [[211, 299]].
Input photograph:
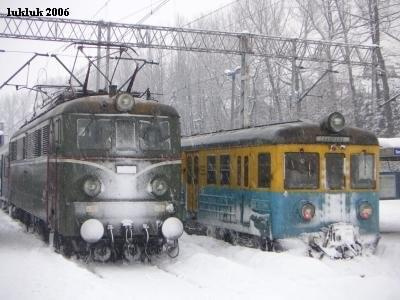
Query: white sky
[[116, 11]]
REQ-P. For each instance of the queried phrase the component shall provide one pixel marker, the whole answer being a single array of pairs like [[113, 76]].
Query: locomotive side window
[[362, 169], [239, 170], [154, 135], [211, 170], [264, 170], [125, 135], [57, 131], [335, 171], [246, 171], [225, 170], [94, 134], [301, 170]]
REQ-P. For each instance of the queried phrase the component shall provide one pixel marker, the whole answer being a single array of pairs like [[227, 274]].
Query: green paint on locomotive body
[[49, 186]]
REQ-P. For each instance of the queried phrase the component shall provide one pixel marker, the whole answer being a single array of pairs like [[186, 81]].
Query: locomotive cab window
[[264, 170], [154, 135], [125, 135], [211, 170], [94, 134], [225, 169], [335, 179], [362, 169], [301, 170]]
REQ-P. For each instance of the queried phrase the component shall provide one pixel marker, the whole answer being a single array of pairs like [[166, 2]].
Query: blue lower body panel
[[279, 214]]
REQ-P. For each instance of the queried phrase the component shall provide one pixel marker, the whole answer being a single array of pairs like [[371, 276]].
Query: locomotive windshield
[[301, 170], [150, 134], [94, 133]]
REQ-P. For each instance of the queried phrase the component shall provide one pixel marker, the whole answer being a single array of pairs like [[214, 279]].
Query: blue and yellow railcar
[[260, 186]]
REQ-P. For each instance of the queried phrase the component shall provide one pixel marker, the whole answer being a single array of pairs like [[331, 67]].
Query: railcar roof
[[298, 132], [102, 104]]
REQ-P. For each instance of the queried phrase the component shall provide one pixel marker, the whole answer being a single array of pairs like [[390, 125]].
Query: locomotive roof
[[102, 104], [298, 132]]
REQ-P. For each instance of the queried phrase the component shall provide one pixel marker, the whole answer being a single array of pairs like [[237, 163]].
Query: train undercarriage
[[337, 241], [125, 245]]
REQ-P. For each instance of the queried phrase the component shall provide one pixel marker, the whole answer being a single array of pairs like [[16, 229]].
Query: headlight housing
[[125, 102], [92, 186], [335, 122], [158, 186], [308, 211], [365, 211]]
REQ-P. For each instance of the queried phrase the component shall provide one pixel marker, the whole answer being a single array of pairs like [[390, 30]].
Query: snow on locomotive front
[[118, 179]]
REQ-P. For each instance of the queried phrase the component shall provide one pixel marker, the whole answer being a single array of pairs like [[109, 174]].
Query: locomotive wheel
[[101, 253], [131, 252]]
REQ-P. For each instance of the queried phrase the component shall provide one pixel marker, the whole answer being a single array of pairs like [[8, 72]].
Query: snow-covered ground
[[206, 269]]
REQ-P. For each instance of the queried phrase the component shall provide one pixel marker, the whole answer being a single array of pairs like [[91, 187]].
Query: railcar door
[[335, 199], [243, 181], [192, 181]]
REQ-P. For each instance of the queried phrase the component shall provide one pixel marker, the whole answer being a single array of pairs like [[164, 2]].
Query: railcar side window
[[94, 134], [246, 171], [362, 169], [239, 170], [334, 171], [196, 170], [211, 170], [125, 135], [225, 170], [154, 135], [189, 175], [301, 170], [264, 170]]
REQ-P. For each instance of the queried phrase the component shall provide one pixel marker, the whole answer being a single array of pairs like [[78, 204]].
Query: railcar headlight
[[365, 211], [125, 102], [334, 122], [308, 211], [158, 186], [92, 186]]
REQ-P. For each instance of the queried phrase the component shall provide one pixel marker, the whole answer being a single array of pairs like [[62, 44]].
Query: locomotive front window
[[301, 170], [335, 171], [125, 135], [154, 135], [362, 168], [94, 133]]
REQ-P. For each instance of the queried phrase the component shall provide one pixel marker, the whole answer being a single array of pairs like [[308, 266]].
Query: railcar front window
[[154, 135], [94, 133], [362, 171], [335, 171], [224, 169], [264, 170], [125, 135], [211, 170], [301, 170]]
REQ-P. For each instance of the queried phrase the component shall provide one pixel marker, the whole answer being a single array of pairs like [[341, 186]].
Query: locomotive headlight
[[92, 186], [365, 211], [158, 186], [308, 211], [125, 102], [334, 122]]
